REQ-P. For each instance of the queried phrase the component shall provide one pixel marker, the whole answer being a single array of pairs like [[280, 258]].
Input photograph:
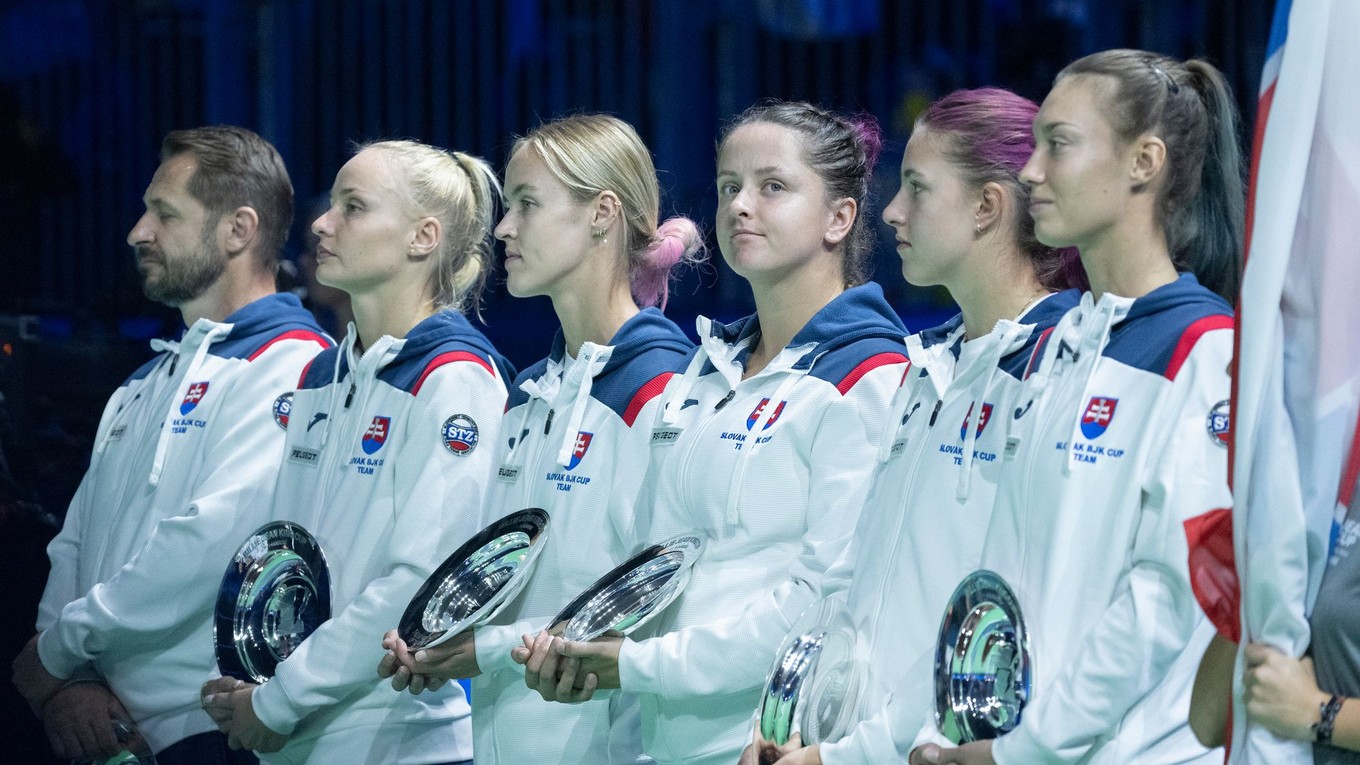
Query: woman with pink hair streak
[[962, 222]]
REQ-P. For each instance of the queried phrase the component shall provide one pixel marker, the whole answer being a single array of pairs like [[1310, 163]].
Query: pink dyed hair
[[990, 132]]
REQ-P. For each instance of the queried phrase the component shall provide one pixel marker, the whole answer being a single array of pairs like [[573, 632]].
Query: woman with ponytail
[[1119, 443], [389, 449], [580, 226], [764, 446], [962, 221]]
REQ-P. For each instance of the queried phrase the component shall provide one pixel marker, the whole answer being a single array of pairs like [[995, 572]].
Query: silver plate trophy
[[474, 582], [276, 592], [816, 687], [634, 591], [983, 664]]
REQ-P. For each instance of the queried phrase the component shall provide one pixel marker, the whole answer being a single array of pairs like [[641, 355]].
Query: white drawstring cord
[[163, 442]]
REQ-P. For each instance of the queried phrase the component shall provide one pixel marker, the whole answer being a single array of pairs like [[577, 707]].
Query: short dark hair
[[237, 168]]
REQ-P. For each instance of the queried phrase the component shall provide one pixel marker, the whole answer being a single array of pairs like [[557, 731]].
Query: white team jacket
[[569, 446], [1122, 439], [385, 463], [925, 518], [183, 467], [773, 470]]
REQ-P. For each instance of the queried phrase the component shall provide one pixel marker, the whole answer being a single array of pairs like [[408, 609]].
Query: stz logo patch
[[195, 394], [1099, 414], [1219, 423], [460, 435], [376, 435], [283, 406], [985, 418], [583, 440], [755, 414]]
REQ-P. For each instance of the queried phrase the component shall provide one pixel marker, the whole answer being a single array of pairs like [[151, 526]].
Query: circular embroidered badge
[[1219, 423], [283, 406], [460, 434]]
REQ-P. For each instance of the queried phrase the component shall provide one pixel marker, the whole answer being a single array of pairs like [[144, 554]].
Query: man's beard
[[184, 278]]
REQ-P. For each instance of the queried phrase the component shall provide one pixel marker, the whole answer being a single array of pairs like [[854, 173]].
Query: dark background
[[89, 87]]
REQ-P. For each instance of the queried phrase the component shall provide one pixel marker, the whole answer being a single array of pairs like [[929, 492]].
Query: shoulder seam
[[646, 392], [450, 357], [1190, 336], [292, 334], [1038, 351], [865, 367]]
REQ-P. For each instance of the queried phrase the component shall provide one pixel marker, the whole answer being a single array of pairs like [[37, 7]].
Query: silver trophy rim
[[982, 589], [239, 655], [795, 687], [533, 522], [574, 618]]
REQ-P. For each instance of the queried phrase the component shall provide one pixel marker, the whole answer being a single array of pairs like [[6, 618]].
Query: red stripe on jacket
[[867, 366]]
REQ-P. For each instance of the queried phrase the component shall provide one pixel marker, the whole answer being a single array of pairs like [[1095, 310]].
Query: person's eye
[[727, 189], [774, 186]]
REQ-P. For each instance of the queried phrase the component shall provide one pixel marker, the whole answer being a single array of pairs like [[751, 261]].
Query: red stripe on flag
[[1262, 116], [1346, 491]]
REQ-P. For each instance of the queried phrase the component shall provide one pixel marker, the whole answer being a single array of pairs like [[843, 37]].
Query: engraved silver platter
[[816, 686], [632, 593], [983, 663], [275, 593], [473, 583]]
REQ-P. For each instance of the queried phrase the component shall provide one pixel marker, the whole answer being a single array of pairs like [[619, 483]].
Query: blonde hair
[[461, 191], [591, 153]]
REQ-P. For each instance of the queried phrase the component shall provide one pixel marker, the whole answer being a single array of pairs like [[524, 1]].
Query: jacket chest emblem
[[754, 416], [193, 396], [1098, 416], [983, 418], [582, 446], [376, 434]]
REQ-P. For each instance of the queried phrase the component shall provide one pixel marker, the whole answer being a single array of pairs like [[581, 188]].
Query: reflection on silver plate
[[476, 580], [983, 664], [816, 686], [637, 589], [276, 592]]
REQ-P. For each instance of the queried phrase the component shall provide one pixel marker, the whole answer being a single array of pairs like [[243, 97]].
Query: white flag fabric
[[1297, 390]]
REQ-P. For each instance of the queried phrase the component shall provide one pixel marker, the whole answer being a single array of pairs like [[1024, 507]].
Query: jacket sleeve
[[435, 507], [173, 579], [64, 550], [495, 641], [1154, 615], [735, 652], [906, 720]]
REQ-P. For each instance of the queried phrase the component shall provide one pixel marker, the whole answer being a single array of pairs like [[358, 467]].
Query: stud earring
[[599, 233]]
